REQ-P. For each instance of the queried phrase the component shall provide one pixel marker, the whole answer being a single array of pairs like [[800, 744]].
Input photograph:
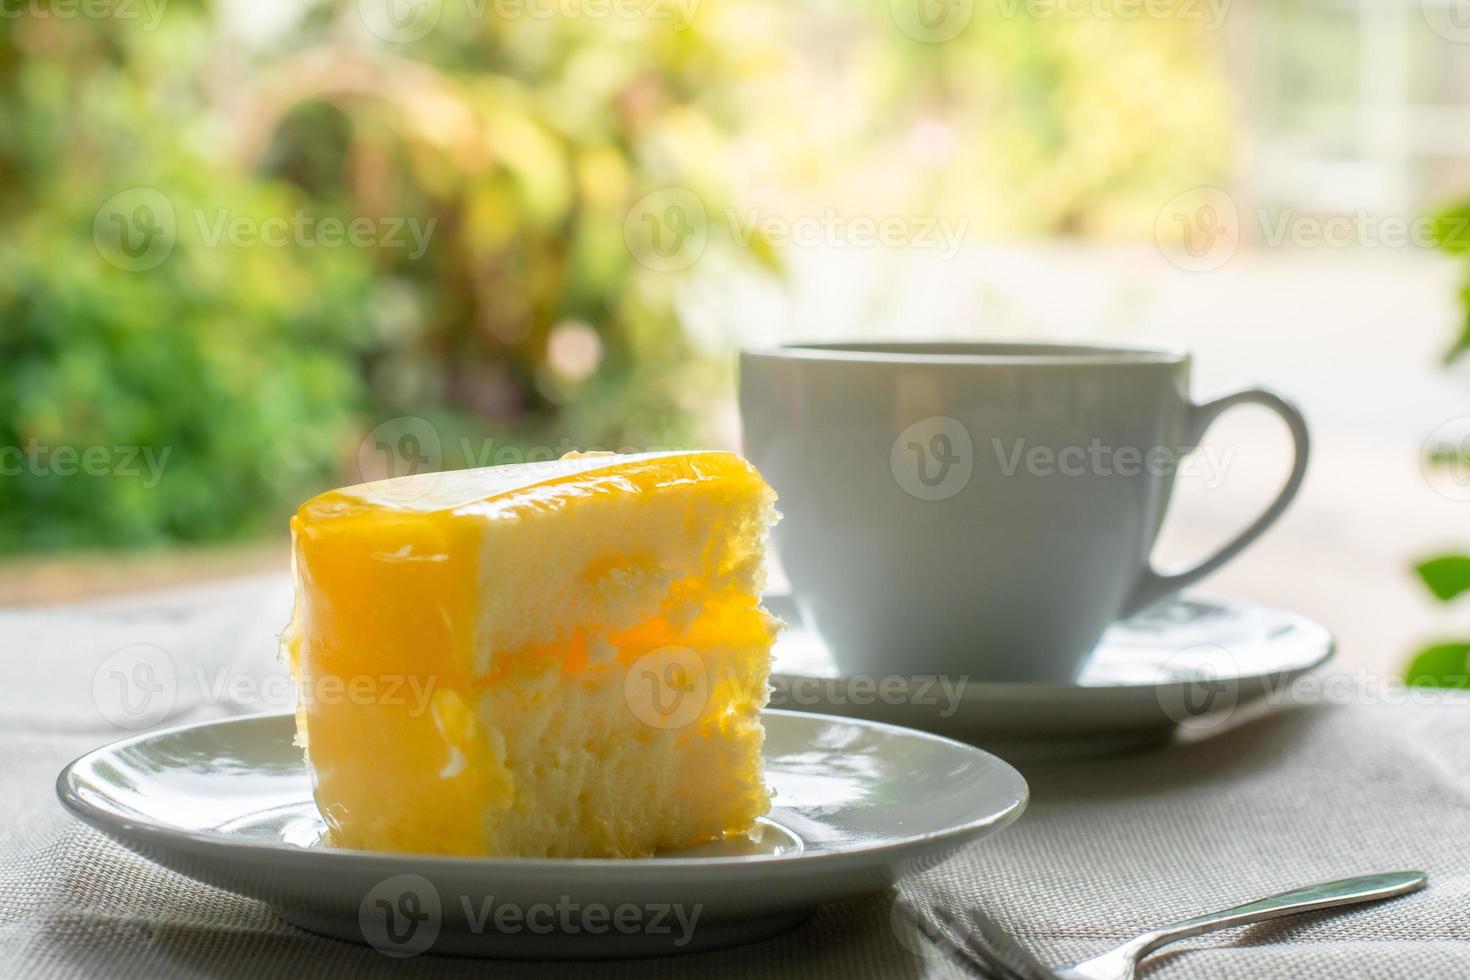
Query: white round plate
[[858, 805], [1186, 662]]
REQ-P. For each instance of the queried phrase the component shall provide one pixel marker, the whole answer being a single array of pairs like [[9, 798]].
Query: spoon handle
[[1349, 891]]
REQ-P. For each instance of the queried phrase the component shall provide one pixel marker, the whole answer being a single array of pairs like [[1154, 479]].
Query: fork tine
[[974, 953], [989, 945], [986, 934], [942, 930]]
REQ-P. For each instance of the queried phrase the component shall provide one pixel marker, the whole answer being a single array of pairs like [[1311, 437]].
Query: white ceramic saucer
[[858, 805], [1188, 661]]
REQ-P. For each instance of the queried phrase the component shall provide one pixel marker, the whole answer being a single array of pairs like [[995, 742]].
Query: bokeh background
[[257, 248]]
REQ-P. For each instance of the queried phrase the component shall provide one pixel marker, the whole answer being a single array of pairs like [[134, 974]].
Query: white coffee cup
[[979, 509]]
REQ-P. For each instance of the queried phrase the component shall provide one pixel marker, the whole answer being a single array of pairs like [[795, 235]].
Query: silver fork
[[997, 955]]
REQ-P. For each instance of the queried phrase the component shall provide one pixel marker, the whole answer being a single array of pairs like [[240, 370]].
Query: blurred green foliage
[[535, 309], [250, 368], [231, 368], [1446, 576], [1447, 664], [1440, 665], [1452, 235]]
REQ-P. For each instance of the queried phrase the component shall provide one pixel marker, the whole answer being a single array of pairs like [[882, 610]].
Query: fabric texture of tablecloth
[[1108, 847]]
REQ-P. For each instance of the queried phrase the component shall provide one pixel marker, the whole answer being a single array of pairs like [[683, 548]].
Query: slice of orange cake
[[556, 659]]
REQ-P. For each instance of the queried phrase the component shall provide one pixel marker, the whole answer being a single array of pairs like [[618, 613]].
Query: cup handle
[[1153, 586]]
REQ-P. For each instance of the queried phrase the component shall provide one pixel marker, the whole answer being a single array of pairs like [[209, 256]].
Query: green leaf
[[1447, 576], [1452, 229], [1440, 665], [1461, 342]]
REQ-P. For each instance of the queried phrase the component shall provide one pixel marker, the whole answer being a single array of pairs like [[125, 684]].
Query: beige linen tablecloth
[[1108, 847]]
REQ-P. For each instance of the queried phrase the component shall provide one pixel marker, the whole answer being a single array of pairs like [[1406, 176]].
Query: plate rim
[[127, 830]]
